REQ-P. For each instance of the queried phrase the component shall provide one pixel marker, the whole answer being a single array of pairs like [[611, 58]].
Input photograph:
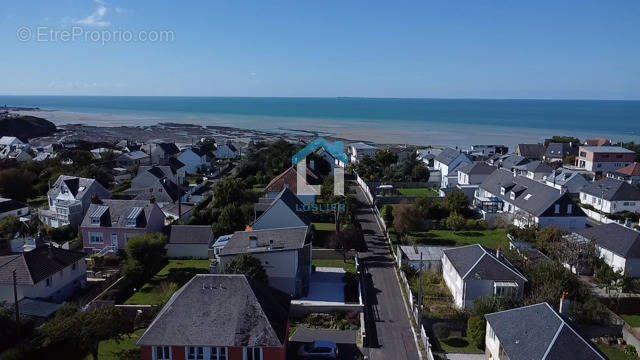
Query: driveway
[[387, 323], [345, 339]]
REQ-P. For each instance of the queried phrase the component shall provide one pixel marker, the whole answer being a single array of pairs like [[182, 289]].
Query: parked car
[[319, 350]]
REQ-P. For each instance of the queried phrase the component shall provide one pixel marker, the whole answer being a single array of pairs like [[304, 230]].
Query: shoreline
[[183, 128]]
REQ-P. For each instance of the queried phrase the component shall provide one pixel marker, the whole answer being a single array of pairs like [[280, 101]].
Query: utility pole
[[420, 295], [15, 302]]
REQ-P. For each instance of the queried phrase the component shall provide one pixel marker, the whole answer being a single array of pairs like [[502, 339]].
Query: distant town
[[178, 241]]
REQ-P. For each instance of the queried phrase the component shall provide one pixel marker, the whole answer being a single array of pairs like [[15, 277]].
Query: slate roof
[[135, 155], [615, 237], [221, 310], [118, 210], [163, 190], [562, 176], [77, 186], [614, 190], [283, 239], [191, 234], [561, 150], [289, 178], [512, 161], [362, 146], [429, 253], [7, 205], [477, 262], [293, 203], [630, 170], [175, 164], [168, 148], [477, 168], [542, 200], [597, 142], [197, 151], [531, 151], [538, 167], [37, 264], [448, 155], [538, 332]]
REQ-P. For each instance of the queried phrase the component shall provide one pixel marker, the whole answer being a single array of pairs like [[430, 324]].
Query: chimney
[[253, 241], [565, 304], [95, 199], [270, 244]]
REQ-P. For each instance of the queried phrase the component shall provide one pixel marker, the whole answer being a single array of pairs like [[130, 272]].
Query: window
[[162, 353], [95, 221], [48, 283], [528, 196], [74, 266], [626, 203], [502, 190], [583, 154], [252, 354], [569, 209], [557, 210], [218, 353], [96, 238], [195, 353], [632, 204]]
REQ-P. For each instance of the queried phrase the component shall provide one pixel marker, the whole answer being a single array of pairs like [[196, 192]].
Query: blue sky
[[444, 49]]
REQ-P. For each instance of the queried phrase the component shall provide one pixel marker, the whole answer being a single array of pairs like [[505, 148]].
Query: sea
[[382, 120]]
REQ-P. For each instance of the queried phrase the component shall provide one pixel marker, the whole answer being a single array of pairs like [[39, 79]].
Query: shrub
[[630, 350], [476, 328], [387, 214], [111, 260], [455, 222], [441, 330]]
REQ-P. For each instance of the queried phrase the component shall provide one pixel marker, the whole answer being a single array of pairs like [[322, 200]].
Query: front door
[[114, 242]]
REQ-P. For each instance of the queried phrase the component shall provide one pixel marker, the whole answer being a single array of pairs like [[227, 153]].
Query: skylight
[[528, 196]]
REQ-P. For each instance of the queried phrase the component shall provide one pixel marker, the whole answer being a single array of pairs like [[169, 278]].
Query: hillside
[[26, 127]]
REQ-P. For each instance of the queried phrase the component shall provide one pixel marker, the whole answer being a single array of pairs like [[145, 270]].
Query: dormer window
[[132, 218], [512, 195], [95, 221], [502, 190]]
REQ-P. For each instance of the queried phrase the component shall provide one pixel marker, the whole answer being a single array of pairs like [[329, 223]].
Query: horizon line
[[330, 97]]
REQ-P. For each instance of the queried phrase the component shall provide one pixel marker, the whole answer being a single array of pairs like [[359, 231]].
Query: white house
[[619, 246], [193, 159], [285, 254], [536, 332], [69, 199], [526, 202], [284, 211], [535, 170], [447, 162], [10, 207], [470, 176], [611, 196], [473, 271], [359, 150], [45, 273], [566, 180]]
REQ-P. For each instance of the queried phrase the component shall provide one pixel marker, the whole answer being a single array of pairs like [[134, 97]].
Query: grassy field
[[613, 353], [324, 226], [632, 320], [417, 192], [109, 349], [459, 345], [489, 238], [176, 271]]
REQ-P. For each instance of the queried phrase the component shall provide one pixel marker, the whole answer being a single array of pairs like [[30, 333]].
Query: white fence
[[598, 217]]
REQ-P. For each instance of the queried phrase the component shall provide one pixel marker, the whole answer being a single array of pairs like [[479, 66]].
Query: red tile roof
[[631, 170]]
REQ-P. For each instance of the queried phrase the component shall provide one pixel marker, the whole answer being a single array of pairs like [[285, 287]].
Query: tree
[[493, 303], [17, 184], [229, 191], [420, 173], [231, 219], [455, 222], [386, 157], [548, 237], [86, 329], [247, 265], [387, 214], [570, 160], [207, 144], [476, 330], [406, 218], [457, 201], [326, 190], [562, 139], [146, 254], [344, 241]]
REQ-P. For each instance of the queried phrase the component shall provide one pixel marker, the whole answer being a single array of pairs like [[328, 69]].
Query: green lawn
[[176, 271], [349, 266], [614, 353], [632, 320], [417, 192], [324, 226], [109, 349], [489, 238], [459, 345], [258, 188]]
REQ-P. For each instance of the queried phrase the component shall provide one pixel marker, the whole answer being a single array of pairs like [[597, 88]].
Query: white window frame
[[557, 209], [155, 353], [95, 221], [245, 352], [570, 209], [195, 349], [91, 241], [218, 355]]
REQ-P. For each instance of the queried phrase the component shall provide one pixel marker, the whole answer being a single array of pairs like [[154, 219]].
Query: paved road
[[388, 328]]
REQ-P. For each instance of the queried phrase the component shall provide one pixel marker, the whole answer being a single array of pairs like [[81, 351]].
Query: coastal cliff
[[26, 127]]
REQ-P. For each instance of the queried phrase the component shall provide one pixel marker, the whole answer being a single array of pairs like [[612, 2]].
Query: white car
[[319, 350]]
